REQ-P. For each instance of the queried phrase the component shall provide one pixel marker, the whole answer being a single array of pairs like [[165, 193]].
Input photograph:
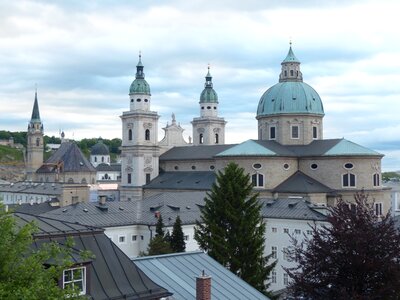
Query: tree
[[158, 245], [160, 227], [355, 256], [231, 228], [26, 273], [177, 239]]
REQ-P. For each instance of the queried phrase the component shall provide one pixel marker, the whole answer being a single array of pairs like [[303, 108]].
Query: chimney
[[203, 287], [157, 214], [102, 200]]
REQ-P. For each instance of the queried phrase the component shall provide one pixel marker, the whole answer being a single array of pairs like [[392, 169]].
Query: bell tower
[[35, 147], [139, 150]]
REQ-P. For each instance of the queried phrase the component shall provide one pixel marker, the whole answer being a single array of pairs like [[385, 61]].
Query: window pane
[[67, 275], [254, 179], [77, 274], [260, 180], [272, 132], [295, 132], [345, 180], [352, 180]]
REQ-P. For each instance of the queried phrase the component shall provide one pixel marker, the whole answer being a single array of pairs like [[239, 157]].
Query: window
[[285, 73], [309, 232], [130, 134], [376, 179], [129, 178], [272, 133], [286, 166], [285, 230], [349, 180], [314, 166], [314, 132], [193, 167], [95, 159], [186, 237], [148, 178], [37, 142], [134, 238], [146, 100], [285, 279], [348, 166], [285, 253], [274, 251], [216, 138], [142, 237], [102, 159], [147, 135], [378, 209], [138, 100], [273, 276], [257, 166], [257, 180], [201, 139], [291, 73], [295, 132], [121, 239], [297, 231], [352, 207], [75, 279], [274, 229], [176, 168]]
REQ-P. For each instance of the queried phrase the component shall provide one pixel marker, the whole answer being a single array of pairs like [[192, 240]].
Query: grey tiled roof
[[111, 167], [290, 208], [34, 209], [72, 158], [43, 188], [177, 272], [302, 183], [193, 152], [196, 180], [113, 274]]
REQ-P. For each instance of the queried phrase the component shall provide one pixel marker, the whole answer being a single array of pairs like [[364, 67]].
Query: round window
[[257, 166], [146, 100], [286, 166], [215, 107], [212, 167], [138, 100], [348, 166], [131, 100], [314, 166], [176, 167], [193, 167], [202, 107], [208, 107]]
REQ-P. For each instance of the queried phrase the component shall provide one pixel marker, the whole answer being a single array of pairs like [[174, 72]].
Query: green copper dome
[[139, 85], [208, 95], [290, 98]]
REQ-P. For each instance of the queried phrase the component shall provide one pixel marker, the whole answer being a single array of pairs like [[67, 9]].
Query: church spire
[[290, 67], [139, 68], [35, 112]]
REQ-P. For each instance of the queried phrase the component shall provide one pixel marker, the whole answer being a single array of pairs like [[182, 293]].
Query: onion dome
[[100, 149], [208, 95], [139, 85]]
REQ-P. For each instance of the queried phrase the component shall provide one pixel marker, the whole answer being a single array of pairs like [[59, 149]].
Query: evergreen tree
[[160, 227], [356, 256], [177, 238], [231, 228], [158, 245]]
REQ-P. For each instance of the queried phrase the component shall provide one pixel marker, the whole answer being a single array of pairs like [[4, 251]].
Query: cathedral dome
[[99, 149], [290, 97], [139, 85], [208, 95]]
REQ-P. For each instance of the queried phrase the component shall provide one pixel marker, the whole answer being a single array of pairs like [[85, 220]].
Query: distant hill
[[12, 166]]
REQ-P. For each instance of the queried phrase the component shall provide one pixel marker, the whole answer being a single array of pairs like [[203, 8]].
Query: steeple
[[139, 68], [290, 68], [35, 112], [208, 95]]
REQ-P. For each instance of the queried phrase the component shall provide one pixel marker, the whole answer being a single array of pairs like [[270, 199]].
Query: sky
[[82, 57]]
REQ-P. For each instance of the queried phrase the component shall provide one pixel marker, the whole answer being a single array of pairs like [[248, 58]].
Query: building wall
[[208, 127], [67, 177], [74, 193]]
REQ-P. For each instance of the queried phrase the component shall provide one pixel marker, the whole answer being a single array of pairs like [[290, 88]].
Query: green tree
[[355, 256], [158, 245], [177, 239], [231, 228], [26, 273], [160, 227]]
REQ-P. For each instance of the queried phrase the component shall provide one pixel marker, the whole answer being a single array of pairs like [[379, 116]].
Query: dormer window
[[75, 279]]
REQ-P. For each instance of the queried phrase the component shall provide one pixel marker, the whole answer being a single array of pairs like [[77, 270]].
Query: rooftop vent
[[64, 210], [81, 163], [292, 204], [85, 210], [121, 208]]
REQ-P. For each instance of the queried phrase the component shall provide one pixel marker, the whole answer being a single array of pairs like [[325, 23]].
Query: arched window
[[83, 181], [102, 159], [349, 180], [257, 180], [147, 135], [216, 138], [70, 180], [201, 139], [37, 142], [130, 134], [291, 73], [285, 73], [376, 180], [95, 159]]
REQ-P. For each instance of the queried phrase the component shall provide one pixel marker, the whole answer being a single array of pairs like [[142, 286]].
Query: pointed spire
[[35, 112], [208, 83], [290, 67], [139, 68], [290, 57]]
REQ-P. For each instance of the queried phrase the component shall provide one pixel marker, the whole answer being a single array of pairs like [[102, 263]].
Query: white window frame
[[256, 183], [119, 239], [297, 231], [285, 254], [378, 208], [285, 279], [285, 230], [186, 237], [83, 279], [269, 133], [349, 186], [274, 229], [291, 132], [133, 238], [274, 252], [376, 180], [273, 276], [316, 132]]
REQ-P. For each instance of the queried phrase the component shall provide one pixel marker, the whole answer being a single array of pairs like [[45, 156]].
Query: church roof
[[139, 85], [71, 157], [99, 149], [290, 57], [248, 148], [208, 95], [185, 180], [301, 183], [345, 147], [202, 152], [35, 112]]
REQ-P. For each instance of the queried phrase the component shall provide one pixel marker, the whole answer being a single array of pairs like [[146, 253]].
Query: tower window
[[131, 100], [272, 133], [102, 159], [216, 138], [314, 132], [138, 100], [257, 180], [201, 139], [215, 107], [148, 178], [291, 73], [208, 107], [147, 135], [129, 178], [37, 142], [130, 134], [378, 208], [285, 73], [95, 159], [376, 179], [295, 132], [202, 107], [349, 180], [146, 100]]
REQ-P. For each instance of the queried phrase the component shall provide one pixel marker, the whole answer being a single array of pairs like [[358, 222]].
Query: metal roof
[[345, 147], [247, 148], [28, 187], [177, 272], [112, 275], [301, 183], [201, 152], [187, 180]]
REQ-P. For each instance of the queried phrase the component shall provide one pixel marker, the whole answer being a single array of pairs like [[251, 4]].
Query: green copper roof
[[290, 98], [208, 95], [247, 148], [35, 112], [139, 85], [290, 57], [345, 147]]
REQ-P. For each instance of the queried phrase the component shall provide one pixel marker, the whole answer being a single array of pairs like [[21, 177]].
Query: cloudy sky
[[82, 56]]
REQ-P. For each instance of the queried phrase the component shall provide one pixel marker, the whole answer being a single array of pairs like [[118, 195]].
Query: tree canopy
[[177, 239], [355, 256], [231, 228], [26, 273]]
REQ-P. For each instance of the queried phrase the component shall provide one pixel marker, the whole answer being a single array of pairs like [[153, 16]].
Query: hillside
[[12, 164]]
